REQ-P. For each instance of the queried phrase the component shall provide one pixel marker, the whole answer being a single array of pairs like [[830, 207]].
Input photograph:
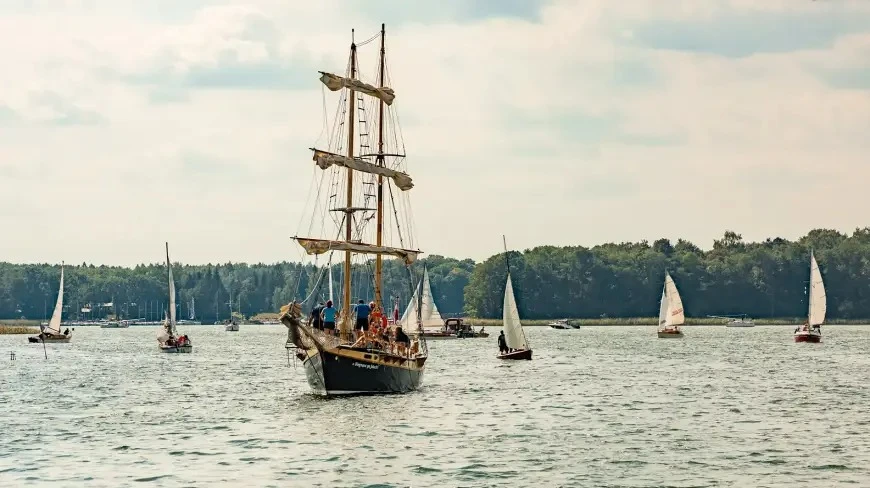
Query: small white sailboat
[[429, 317], [168, 339], [51, 332], [515, 337], [811, 331], [671, 315], [232, 325]]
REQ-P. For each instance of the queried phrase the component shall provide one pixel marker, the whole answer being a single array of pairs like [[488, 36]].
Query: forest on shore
[[762, 279]]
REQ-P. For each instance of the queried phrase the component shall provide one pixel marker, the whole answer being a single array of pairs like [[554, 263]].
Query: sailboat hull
[[176, 349], [438, 335], [61, 339], [232, 328], [524, 354], [664, 334], [804, 336], [336, 372]]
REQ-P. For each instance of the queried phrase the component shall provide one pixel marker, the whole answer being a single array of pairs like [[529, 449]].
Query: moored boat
[[51, 332], [515, 337], [231, 327], [168, 340], [367, 356], [811, 330], [671, 315]]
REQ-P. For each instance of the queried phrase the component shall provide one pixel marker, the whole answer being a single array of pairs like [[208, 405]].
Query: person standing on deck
[[327, 316], [362, 316], [315, 319], [502, 343]]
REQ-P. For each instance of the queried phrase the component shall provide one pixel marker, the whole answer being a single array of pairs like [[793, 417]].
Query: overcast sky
[[124, 123]]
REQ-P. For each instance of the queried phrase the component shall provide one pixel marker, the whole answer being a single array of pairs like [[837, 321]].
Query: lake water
[[600, 406]]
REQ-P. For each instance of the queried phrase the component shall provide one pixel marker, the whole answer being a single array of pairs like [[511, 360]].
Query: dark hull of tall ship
[[348, 371]]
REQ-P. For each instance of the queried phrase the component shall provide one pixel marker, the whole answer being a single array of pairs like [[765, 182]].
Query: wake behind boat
[[168, 339], [51, 332], [366, 356], [671, 315], [811, 330]]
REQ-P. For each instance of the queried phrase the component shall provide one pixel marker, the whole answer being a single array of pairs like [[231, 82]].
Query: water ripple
[[597, 407]]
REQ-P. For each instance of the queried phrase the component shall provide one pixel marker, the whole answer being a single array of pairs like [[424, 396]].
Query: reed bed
[[13, 329]]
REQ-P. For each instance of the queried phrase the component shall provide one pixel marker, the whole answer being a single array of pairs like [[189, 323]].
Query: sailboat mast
[[380, 217], [345, 306]]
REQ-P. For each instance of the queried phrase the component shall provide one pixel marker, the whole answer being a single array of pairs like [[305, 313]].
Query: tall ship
[[360, 215]]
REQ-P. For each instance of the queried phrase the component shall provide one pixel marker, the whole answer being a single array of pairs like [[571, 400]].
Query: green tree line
[[761, 279], [30, 290]]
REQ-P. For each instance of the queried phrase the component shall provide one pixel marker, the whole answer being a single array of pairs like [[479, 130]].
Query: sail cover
[[818, 300], [325, 160], [335, 83], [432, 320], [320, 246], [54, 324], [513, 329], [675, 314]]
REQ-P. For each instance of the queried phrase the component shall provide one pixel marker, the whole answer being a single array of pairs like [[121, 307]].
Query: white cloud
[[190, 122]]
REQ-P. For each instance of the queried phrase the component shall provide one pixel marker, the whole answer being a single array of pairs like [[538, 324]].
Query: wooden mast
[[345, 306], [379, 262]]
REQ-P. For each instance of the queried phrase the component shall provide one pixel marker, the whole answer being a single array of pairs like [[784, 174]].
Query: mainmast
[[345, 305], [380, 161]]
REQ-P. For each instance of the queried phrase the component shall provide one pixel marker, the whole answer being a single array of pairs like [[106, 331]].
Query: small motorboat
[[561, 324], [231, 327]]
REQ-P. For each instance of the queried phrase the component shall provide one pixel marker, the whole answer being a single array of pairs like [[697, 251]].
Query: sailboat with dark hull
[[359, 353]]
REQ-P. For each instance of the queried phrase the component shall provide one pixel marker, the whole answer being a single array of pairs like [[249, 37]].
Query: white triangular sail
[[54, 323], [663, 309], [674, 315], [513, 328], [168, 330], [429, 314], [818, 302], [330, 285]]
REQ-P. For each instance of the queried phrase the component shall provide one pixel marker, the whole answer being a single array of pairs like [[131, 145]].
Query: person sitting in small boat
[[66, 332], [502, 343]]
